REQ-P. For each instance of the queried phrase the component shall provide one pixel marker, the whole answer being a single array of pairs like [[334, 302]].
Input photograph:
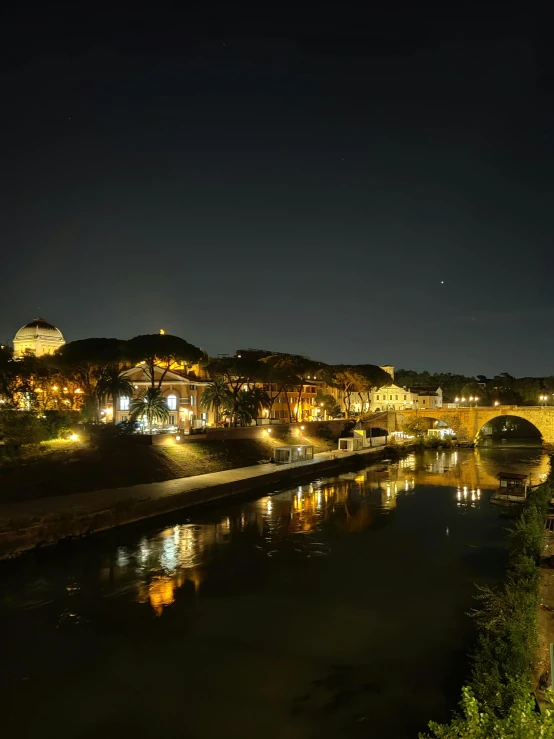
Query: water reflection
[[288, 523], [272, 526], [367, 559]]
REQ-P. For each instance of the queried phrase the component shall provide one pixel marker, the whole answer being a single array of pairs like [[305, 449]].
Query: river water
[[331, 609]]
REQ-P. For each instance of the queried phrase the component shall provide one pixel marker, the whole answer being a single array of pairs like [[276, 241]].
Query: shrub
[[498, 703], [326, 432], [57, 424], [520, 722], [20, 427]]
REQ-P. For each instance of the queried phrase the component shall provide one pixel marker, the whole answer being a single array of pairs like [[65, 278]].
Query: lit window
[[172, 402], [193, 399], [123, 403]]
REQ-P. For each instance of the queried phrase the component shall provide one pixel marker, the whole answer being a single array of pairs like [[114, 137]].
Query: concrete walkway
[[48, 520]]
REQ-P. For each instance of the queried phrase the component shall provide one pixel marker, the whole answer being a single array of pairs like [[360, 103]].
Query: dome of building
[[38, 337]]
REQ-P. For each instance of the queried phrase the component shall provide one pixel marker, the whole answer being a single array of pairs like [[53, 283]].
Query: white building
[[37, 337], [395, 398]]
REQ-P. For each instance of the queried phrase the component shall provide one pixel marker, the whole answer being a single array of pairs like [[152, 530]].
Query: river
[[336, 608]]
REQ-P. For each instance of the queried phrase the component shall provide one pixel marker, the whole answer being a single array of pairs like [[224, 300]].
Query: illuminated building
[[37, 337], [393, 397], [182, 396]]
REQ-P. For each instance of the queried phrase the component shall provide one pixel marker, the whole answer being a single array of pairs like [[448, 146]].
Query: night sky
[[350, 183]]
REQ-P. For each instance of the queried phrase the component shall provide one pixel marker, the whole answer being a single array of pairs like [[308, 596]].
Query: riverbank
[[309, 589], [27, 524], [66, 467], [545, 619], [508, 664]]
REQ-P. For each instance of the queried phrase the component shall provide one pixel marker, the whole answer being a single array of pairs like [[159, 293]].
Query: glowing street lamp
[[543, 399], [496, 403]]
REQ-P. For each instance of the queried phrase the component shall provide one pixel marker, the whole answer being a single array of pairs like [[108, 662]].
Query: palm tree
[[259, 400], [150, 405], [243, 407], [113, 383], [216, 395], [239, 408]]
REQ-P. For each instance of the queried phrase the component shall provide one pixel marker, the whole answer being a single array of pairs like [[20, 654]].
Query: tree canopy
[[161, 350], [355, 378]]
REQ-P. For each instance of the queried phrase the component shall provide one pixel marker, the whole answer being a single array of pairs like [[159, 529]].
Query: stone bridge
[[467, 422]]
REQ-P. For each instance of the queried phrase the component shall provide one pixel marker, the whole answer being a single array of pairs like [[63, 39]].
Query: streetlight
[[496, 403], [543, 399]]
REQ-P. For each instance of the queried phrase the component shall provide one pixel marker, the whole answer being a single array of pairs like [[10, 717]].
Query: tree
[[470, 389], [417, 427], [529, 389], [112, 382], [215, 395], [10, 378], [356, 379], [451, 384], [282, 373], [327, 403], [305, 369], [259, 400], [239, 373], [163, 351], [86, 361], [149, 405]]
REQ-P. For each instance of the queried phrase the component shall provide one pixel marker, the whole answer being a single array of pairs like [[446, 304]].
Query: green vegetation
[[328, 404], [18, 428], [417, 427], [503, 388], [497, 703], [520, 722], [215, 396], [149, 406], [114, 384]]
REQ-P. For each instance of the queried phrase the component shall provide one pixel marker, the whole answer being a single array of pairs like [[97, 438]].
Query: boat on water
[[512, 489]]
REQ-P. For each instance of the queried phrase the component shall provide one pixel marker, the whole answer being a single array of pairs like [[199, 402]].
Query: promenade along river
[[332, 609]]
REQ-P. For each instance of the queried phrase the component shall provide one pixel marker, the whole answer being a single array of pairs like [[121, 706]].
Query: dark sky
[[298, 177]]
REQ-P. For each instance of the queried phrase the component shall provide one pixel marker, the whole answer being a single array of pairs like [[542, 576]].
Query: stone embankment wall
[[47, 521]]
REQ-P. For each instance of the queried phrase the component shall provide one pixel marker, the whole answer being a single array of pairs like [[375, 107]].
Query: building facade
[[395, 398], [37, 337], [182, 395]]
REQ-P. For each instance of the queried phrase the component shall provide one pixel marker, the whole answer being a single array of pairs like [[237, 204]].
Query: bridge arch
[[500, 427], [468, 422]]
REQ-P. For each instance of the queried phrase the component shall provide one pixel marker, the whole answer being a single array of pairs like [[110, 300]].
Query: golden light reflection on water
[[290, 521]]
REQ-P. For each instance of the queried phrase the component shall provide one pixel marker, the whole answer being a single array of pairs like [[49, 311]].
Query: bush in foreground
[[499, 704], [521, 722]]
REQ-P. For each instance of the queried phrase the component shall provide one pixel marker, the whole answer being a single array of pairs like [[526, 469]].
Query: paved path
[[50, 519]]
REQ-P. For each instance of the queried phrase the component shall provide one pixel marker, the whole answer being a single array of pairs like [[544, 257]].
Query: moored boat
[[512, 489]]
